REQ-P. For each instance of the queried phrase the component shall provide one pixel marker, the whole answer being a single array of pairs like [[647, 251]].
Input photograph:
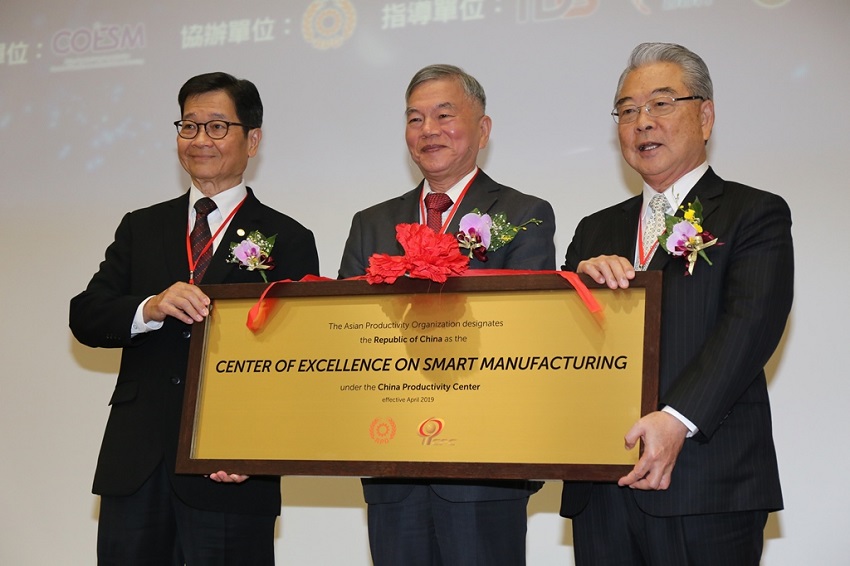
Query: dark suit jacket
[[147, 256], [719, 327], [373, 231]]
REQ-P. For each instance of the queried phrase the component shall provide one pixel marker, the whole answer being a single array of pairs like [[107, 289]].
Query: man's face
[[663, 149], [445, 131], [216, 165]]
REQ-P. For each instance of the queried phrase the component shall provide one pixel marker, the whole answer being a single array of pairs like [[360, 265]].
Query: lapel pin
[[240, 232]]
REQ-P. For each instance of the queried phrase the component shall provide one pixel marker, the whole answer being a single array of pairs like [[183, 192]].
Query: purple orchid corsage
[[481, 233], [253, 253], [684, 236]]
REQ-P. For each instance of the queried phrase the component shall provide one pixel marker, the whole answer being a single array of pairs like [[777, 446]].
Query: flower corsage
[[253, 253], [684, 236], [481, 233]]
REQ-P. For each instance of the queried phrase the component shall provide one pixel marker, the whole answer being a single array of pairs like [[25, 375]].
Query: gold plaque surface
[[507, 376]]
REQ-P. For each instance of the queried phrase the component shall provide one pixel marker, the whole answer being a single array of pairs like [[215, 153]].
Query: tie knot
[[659, 203], [204, 206], [438, 201]]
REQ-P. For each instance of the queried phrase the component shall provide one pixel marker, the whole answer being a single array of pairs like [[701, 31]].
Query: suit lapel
[[172, 233], [483, 194], [378, 234], [708, 190], [624, 233], [407, 212], [247, 219]]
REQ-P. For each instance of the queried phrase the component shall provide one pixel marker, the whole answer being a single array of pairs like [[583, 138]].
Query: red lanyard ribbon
[[193, 262], [644, 256]]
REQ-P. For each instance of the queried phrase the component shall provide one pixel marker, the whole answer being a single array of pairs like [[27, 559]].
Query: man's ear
[[707, 118], [254, 137], [485, 124]]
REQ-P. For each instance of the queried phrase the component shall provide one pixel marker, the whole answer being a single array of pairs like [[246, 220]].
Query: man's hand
[[182, 301], [613, 270], [663, 436], [224, 477]]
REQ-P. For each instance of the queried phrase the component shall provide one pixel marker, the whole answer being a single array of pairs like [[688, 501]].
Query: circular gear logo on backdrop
[[327, 24]]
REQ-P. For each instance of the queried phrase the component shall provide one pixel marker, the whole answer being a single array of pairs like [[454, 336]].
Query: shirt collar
[[457, 188], [225, 201], [676, 192]]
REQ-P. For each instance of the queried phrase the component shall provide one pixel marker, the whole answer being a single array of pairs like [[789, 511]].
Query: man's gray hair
[[694, 70], [471, 86]]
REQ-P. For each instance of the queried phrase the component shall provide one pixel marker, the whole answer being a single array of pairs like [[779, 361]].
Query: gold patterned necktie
[[435, 205], [200, 236]]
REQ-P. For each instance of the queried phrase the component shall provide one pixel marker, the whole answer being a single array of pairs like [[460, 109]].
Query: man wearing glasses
[[707, 479], [144, 299]]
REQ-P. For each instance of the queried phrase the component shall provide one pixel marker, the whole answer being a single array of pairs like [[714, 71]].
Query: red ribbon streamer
[[258, 313]]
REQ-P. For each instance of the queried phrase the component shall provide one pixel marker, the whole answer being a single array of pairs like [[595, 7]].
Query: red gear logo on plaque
[[382, 430], [327, 24]]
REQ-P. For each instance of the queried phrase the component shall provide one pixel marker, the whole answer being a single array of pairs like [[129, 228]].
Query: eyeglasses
[[215, 129], [661, 106]]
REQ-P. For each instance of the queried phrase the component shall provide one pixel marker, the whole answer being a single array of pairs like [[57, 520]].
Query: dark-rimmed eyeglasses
[[661, 106], [215, 129]]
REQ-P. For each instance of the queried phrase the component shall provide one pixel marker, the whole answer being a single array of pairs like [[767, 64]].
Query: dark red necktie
[[435, 205], [200, 236]]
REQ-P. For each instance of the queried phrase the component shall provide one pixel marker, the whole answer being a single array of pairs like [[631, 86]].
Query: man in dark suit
[[445, 522], [144, 299], [708, 477]]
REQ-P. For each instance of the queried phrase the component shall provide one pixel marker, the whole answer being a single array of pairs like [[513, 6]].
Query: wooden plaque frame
[[648, 282]]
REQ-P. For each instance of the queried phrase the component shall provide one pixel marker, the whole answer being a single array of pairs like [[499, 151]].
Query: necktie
[[200, 236], [435, 205], [655, 226]]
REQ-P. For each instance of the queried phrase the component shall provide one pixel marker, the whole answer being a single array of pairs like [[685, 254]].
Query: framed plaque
[[504, 376]]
